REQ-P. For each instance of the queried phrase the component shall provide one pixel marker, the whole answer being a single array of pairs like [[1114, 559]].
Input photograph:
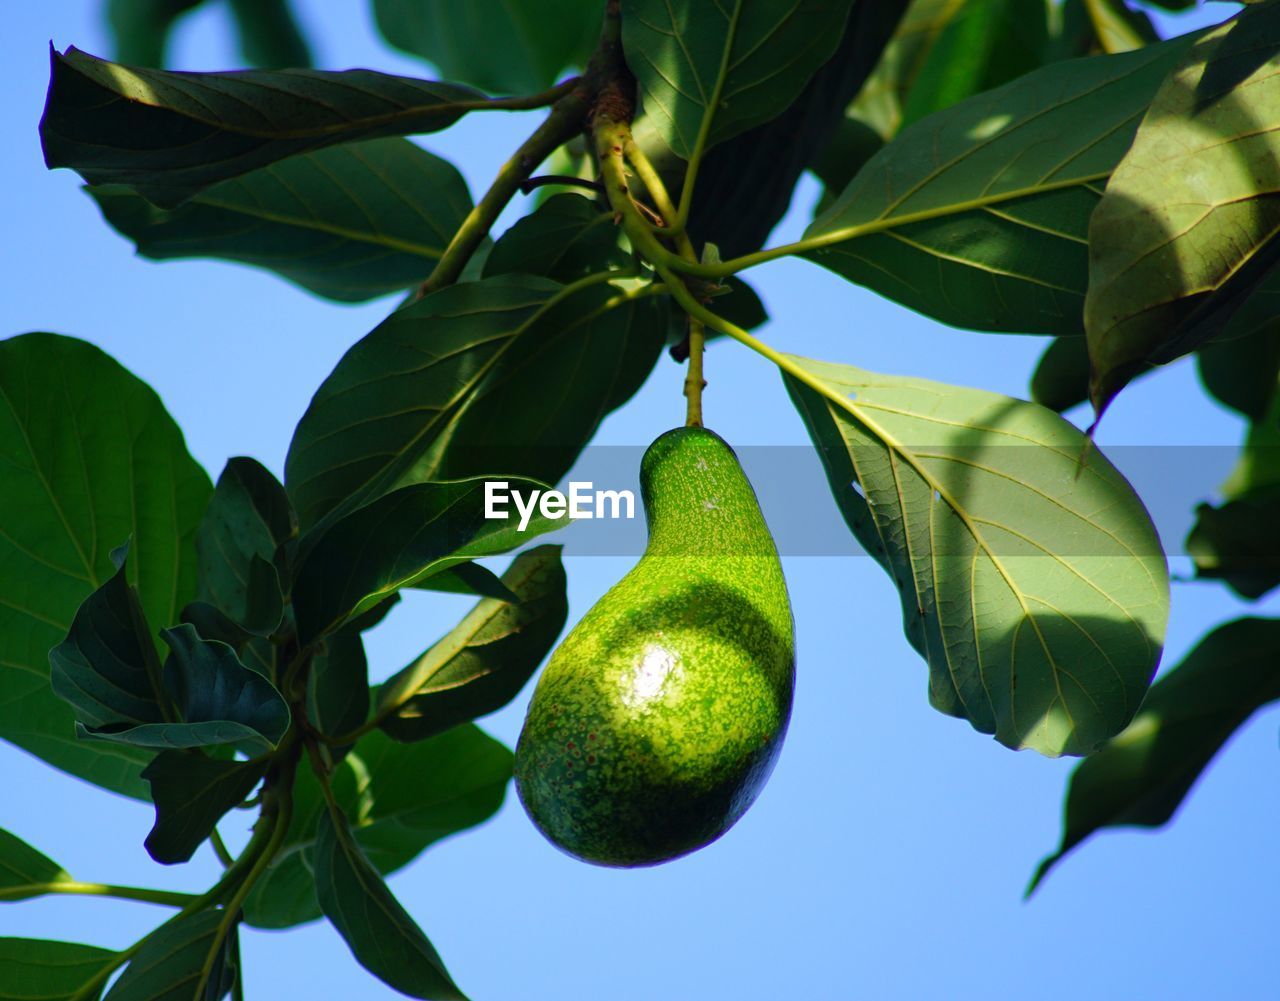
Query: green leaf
[[1118, 28], [90, 456], [107, 669], [468, 578], [1141, 776], [402, 797], [382, 936], [747, 182], [140, 29], [349, 223], [33, 969], [220, 700], [1191, 205], [191, 793], [338, 685], [1242, 370], [985, 43], [768, 52], [495, 45], [247, 521], [978, 215], [169, 964], [25, 872], [255, 652], [484, 661], [171, 135], [269, 34], [1061, 378], [568, 237], [1032, 579], [398, 541], [1237, 543], [455, 386]]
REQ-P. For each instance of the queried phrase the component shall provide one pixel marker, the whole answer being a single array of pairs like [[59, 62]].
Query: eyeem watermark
[[581, 503]]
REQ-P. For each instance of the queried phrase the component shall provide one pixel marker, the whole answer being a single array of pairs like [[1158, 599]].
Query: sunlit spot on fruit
[[650, 676]]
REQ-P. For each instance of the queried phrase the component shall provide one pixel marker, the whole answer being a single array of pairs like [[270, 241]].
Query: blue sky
[[887, 857]]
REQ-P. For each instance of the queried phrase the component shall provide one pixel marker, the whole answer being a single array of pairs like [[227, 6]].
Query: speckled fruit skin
[[658, 720]]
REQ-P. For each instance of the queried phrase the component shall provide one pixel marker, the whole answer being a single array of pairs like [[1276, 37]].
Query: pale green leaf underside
[[1036, 589], [1194, 200], [978, 215]]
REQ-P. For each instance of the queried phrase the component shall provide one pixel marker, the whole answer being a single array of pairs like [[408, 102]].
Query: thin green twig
[[165, 898]]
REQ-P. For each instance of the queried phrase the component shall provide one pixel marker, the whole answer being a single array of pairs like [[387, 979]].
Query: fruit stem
[[694, 383]]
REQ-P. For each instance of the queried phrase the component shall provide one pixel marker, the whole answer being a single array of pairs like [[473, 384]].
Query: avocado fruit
[[657, 721]]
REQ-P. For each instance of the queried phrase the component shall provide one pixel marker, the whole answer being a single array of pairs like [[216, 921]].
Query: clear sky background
[[887, 857]]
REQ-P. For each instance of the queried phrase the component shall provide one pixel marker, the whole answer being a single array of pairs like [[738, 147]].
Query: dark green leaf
[[495, 45], [568, 237], [468, 578], [746, 183], [1061, 378], [24, 872], [171, 135], [852, 144], [382, 936], [169, 964], [978, 215], [1141, 776], [141, 28], [367, 620], [743, 305], [33, 969], [1257, 472], [1032, 580], [90, 456], [398, 541], [220, 700], [482, 664], [350, 222], [269, 34], [247, 521], [191, 793], [404, 796], [255, 652], [338, 685], [985, 44], [769, 52], [107, 669], [1243, 371], [1192, 204], [1238, 543], [455, 386]]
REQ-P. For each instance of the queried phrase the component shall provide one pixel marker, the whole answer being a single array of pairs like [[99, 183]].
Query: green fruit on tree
[[659, 718]]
